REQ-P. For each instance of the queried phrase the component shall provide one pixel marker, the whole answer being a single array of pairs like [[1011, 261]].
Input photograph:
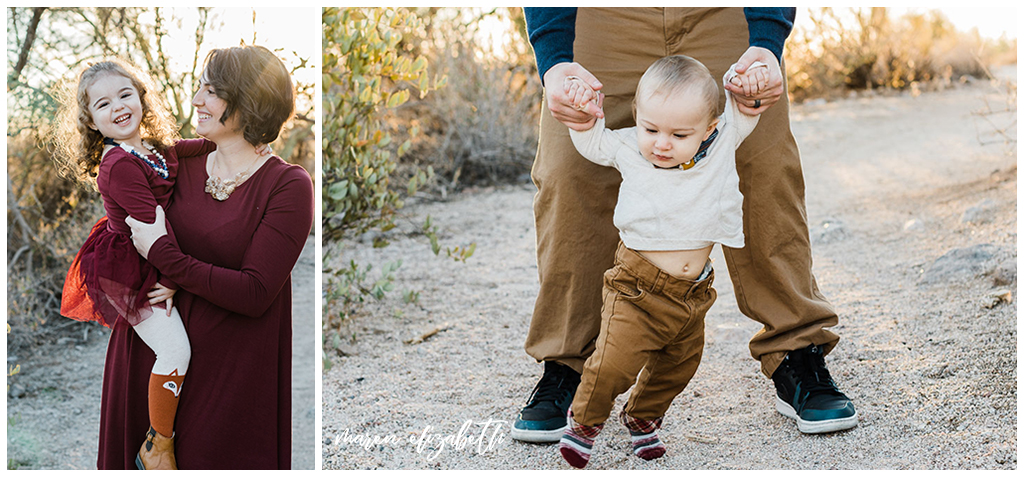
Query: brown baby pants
[[573, 208], [652, 325]]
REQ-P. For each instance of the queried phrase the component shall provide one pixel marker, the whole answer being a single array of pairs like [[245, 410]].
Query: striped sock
[[644, 435], [577, 442]]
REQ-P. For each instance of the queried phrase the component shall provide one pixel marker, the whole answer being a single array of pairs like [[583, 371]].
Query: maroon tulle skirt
[[108, 280]]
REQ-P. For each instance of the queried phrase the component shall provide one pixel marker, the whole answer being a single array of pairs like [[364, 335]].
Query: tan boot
[[157, 453]]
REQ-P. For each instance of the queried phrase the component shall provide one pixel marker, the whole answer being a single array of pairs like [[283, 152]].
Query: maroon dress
[[233, 264], [107, 275]]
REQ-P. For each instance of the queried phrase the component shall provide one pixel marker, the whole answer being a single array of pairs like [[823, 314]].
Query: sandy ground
[[55, 421], [914, 231]]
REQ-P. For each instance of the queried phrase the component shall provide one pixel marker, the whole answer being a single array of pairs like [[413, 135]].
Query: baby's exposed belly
[[687, 264]]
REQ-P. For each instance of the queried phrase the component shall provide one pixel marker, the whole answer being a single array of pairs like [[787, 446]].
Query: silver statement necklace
[[221, 189]]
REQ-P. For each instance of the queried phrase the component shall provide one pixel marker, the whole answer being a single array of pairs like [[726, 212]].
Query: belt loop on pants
[[659, 282]]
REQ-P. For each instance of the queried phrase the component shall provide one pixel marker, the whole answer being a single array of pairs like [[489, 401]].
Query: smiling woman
[[236, 301], [209, 109], [250, 81]]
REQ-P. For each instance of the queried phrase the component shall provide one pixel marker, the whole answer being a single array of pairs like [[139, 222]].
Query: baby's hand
[[753, 81], [580, 93], [160, 293]]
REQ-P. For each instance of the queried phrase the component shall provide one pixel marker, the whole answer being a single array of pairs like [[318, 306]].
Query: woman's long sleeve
[[269, 255]]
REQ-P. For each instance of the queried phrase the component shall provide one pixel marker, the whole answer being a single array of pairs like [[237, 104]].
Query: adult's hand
[[559, 102], [145, 235], [768, 95]]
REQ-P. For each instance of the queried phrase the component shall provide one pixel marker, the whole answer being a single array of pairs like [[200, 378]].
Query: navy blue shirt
[[552, 31]]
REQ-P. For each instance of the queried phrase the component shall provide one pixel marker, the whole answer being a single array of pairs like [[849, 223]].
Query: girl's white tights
[[166, 336]]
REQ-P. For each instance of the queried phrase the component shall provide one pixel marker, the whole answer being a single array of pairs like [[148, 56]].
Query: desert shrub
[[482, 128], [859, 49], [365, 76], [47, 220]]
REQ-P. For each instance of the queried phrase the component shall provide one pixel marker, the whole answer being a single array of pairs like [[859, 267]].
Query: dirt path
[[913, 225], [54, 423]]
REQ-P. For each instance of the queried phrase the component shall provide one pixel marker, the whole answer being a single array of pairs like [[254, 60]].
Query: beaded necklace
[[160, 168]]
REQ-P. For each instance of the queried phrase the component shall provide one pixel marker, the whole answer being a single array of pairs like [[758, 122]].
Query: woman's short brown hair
[[255, 85]]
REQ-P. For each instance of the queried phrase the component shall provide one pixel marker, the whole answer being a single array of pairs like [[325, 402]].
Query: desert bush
[[858, 49], [482, 128], [373, 67], [365, 75]]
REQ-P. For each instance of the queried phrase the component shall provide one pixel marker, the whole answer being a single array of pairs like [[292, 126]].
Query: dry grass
[[48, 220], [481, 129], [867, 49]]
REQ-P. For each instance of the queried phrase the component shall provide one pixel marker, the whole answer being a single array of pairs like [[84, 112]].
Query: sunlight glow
[[282, 30]]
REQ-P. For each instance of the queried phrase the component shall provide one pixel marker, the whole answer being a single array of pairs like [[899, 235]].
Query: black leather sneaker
[[544, 417], [805, 392]]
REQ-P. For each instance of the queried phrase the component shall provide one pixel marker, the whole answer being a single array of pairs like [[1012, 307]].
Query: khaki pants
[[575, 201], [652, 325]]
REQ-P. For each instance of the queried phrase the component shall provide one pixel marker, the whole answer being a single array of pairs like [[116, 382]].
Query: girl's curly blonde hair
[[79, 148]]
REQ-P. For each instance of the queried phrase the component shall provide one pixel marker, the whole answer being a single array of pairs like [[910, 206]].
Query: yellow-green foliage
[[365, 75]]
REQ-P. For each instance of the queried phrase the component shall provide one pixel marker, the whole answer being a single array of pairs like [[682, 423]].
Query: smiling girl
[[115, 132]]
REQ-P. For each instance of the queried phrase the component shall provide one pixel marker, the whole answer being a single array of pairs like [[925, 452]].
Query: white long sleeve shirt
[[674, 209]]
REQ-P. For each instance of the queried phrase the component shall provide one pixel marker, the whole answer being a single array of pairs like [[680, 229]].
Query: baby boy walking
[[679, 196]]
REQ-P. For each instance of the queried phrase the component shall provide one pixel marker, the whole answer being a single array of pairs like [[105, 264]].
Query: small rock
[[913, 225], [369, 237], [940, 371], [997, 297], [1005, 273], [830, 230], [17, 391], [980, 213], [959, 264], [344, 348]]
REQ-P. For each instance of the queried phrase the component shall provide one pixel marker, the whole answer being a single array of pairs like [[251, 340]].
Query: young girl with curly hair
[[116, 133]]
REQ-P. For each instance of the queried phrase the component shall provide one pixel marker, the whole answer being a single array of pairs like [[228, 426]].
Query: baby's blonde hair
[[78, 147], [679, 74]]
